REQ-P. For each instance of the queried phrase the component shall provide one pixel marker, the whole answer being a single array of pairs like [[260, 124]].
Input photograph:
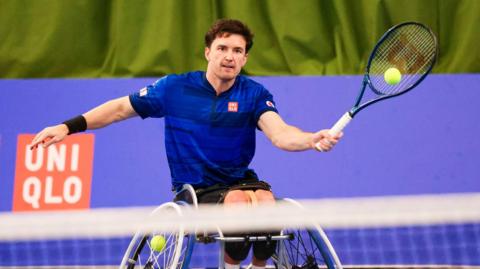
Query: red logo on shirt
[[270, 104], [232, 106]]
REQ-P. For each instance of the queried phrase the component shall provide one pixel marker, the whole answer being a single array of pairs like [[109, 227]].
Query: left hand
[[323, 141]]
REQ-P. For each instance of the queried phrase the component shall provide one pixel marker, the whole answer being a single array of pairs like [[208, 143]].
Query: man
[[210, 120]]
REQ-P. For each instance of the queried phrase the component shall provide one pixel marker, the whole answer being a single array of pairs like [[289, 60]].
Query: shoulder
[[249, 82], [254, 87], [189, 77]]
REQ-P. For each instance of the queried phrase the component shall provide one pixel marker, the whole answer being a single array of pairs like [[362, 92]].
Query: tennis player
[[210, 119]]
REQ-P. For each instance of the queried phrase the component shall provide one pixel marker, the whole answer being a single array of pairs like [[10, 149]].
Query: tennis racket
[[409, 47]]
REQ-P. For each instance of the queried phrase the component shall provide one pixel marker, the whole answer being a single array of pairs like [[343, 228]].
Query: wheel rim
[[176, 252]]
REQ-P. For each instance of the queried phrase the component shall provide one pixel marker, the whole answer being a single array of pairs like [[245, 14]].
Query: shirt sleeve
[[264, 103], [150, 101]]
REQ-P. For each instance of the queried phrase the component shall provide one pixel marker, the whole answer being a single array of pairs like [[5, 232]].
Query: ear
[[207, 53]]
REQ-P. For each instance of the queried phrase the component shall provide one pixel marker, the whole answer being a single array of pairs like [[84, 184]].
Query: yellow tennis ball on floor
[[392, 76], [157, 243]]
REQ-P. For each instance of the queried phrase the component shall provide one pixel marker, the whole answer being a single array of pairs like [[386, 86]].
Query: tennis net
[[423, 231]]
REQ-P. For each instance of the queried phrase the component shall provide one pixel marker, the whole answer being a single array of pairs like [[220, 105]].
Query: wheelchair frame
[[179, 246]]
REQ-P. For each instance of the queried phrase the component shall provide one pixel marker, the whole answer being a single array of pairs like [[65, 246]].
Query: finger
[[37, 140], [327, 135], [33, 146], [328, 141], [323, 146], [338, 136], [332, 142], [49, 141], [318, 147]]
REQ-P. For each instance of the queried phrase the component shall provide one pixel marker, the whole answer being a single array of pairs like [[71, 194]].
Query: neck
[[219, 85]]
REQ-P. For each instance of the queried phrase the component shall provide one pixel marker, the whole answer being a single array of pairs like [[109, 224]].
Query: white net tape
[[328, 213]]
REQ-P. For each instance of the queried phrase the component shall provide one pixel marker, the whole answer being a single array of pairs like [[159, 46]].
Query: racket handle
[[340, 124]]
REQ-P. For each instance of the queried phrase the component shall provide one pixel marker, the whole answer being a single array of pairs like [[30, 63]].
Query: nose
[[229, 55]]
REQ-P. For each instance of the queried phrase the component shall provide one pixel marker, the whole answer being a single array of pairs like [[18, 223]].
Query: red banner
[[54, 178]]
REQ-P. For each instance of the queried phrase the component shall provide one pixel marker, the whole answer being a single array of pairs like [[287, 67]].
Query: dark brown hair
[[226, 27]]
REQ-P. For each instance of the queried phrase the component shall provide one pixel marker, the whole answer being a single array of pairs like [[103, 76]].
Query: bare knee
[[236, 196], [240, 196], [264, 196]]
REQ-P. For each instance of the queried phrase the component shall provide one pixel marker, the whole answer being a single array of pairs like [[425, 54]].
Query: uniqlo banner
[[54, 178]]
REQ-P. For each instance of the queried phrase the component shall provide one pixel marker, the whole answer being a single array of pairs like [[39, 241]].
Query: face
[[226, 57]]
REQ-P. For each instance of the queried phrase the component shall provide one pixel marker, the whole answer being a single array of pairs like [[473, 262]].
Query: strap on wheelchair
[[222, 189], [251, 185]]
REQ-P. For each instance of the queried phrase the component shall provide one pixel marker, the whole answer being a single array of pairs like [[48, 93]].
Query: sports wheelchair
[[296, 248]]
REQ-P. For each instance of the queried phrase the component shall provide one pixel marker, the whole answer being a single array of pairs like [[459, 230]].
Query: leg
[[236, 252], [263, 250]]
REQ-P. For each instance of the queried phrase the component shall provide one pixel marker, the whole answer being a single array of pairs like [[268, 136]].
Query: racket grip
[[340, 124]]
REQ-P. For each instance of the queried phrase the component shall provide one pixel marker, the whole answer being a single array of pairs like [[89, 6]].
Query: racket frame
[[366, 78], [348, 116]]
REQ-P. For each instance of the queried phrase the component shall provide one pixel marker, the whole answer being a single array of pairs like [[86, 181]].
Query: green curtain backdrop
[[138, 38]]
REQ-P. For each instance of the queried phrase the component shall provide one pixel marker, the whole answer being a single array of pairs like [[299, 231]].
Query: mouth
[[228, 66]]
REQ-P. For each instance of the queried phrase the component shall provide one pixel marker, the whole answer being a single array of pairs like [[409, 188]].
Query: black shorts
[[215, 194]]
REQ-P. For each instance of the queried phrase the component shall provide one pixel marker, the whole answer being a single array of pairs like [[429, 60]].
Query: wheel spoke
[[172, 256], [301, 251]]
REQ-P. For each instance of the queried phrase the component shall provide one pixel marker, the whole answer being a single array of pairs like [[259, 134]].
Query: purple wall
[[423, 142]]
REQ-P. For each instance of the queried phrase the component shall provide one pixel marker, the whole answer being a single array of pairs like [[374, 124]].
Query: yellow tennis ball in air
[[157, 243], [392, 76]]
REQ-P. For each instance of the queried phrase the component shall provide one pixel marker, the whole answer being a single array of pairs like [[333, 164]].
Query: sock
[[232, 266], [257, 267]]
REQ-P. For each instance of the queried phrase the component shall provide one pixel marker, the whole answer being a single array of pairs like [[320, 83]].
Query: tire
[[306, 249]]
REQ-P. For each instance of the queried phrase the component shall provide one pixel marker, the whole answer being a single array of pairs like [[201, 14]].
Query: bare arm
[[291, 138], [101, 116], [112, 111]]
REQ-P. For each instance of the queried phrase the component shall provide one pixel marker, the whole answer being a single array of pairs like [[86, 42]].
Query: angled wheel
[[176, 253], [306, 249]]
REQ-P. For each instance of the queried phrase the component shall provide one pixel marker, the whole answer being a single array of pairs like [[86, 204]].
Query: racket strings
[[400, 48], [406, 55], [411, 49]]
